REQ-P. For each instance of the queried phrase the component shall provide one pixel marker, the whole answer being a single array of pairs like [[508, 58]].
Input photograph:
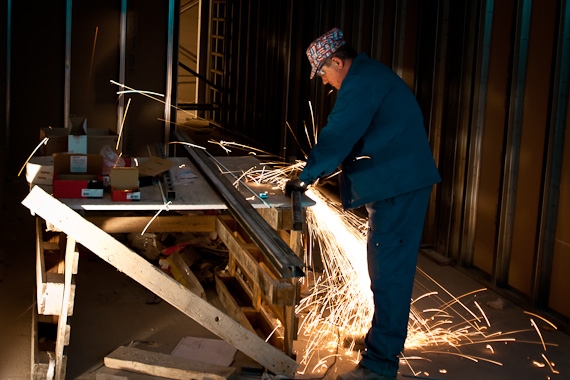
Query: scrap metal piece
[[265, 237], [297, 211]]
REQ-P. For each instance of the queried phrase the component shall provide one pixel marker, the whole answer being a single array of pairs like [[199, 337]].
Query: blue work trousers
[[395, 228]]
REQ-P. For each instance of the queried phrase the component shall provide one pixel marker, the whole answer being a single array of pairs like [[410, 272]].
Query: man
[[375, 132]]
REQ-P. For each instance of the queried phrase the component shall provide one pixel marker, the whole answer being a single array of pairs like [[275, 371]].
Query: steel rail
[[265, 237]]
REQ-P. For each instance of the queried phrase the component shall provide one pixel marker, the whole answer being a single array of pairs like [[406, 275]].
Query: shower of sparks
[[92, 59], [148, 94], [339, 303], [295, 137], [337, 307], [543, 319], [533, 324], [314, 126], [144, 93], [188, 144], [140, 92], [225, 144], [164, 207], [44, 141], [550, 365]]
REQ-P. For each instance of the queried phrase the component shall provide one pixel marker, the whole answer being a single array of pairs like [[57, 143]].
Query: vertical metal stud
[[67, 85], [477, 137], [553, 171], [513, 142]]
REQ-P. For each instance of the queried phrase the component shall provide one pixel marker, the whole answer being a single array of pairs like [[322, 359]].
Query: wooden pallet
[[55, 295], [260, 305], [266, 299]]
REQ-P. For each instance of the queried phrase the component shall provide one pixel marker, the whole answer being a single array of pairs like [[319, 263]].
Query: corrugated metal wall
[[492, 80]]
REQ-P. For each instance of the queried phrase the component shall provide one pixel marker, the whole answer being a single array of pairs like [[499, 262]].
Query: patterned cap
[[323, 47]]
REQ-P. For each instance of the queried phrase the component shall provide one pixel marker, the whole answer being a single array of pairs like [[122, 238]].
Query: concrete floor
[[110, 310]]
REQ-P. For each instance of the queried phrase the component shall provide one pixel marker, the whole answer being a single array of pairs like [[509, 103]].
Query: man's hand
[[295, 184]]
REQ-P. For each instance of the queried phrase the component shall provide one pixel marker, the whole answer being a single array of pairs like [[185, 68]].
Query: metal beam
[[265, 237]]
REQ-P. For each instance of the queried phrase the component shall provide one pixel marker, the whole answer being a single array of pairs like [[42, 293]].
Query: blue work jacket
[[376, 134]]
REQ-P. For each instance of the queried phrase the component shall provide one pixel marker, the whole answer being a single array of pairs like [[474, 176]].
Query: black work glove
[[295, 184]]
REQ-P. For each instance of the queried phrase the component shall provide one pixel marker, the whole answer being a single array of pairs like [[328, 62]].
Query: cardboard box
[[125, 195], [57, 140], [125, 184], [77, 139], [97, 138], [153, 166], [77, 175], [39, 170]]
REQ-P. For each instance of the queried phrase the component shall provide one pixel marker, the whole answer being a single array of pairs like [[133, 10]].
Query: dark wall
[[491, 79], [4, 110], [267, 72], [37, 87], [37, 76], [95, 60]]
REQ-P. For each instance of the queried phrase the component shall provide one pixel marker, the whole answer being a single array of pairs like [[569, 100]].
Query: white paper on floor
[[182, 175], [213, 351]]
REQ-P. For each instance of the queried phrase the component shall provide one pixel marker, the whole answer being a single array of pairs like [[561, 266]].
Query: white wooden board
[[168, 366]]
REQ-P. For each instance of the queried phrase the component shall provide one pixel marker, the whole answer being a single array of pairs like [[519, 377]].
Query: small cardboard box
[[125, 184], [39, 170], [97, 138], [125, 195], [57, 140], [77, 175], [77, 139]]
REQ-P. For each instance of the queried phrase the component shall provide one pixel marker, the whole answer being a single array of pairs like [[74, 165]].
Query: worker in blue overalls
[[376, 134]]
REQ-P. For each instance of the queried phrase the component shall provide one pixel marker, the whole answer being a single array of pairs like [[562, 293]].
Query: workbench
[[91, 221], [196, 194]]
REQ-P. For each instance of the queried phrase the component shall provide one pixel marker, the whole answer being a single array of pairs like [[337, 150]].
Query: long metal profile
[[265, 237]]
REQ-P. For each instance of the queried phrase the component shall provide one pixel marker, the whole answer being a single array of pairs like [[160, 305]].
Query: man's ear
[[339, 62]]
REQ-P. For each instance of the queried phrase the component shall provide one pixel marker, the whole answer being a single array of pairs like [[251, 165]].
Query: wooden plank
[[62, 328], [151, 277], [163, 365], [50, 295], [230, 304], [104, 373], [104, 376], [178, 223], [49, 285], [40, 360], [40, 266], [276, 291], [272, 216], [296, 242]]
